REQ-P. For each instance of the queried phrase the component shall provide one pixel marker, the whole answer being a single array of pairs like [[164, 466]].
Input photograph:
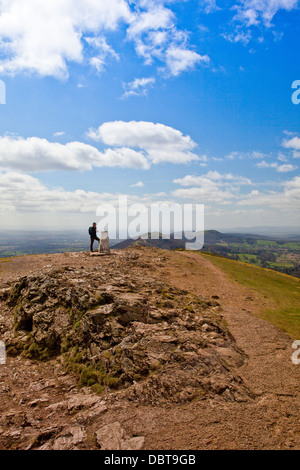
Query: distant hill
[[261, 250], [270, 231], [210, 237], [171, 244], [213, 236]]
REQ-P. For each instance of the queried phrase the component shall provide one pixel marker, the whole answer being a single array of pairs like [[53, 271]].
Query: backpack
[[90, 230]]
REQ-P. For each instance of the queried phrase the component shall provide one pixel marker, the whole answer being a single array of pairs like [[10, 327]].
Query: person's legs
[[92, 242]]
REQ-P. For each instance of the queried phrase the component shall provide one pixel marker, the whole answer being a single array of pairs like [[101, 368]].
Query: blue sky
[[163, 101]]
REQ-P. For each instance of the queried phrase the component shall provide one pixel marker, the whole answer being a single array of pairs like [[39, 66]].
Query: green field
[[247, 258], [281, 265], [282, 255], [281, 290]]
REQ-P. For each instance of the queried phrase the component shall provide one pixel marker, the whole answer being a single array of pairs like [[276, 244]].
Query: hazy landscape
[[278, 253], [281, 254], [25, 242]]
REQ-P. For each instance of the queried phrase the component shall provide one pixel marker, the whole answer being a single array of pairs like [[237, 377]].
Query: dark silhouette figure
[[93, 235]]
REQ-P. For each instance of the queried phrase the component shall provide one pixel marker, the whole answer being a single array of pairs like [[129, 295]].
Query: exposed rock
[[116, 330], [114, 437], [67, 440], [82, 401], [87, 416]]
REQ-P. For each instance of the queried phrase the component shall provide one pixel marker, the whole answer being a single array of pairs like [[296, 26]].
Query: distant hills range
[[211, 237], [279, 252], [273, 252]]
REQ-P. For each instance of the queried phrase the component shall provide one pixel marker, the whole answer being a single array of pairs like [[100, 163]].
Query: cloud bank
[[44, 38], [157, 142], [132, 144]]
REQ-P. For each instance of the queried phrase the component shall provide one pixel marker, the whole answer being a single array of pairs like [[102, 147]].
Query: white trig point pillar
[[2, 353], [104, 243]]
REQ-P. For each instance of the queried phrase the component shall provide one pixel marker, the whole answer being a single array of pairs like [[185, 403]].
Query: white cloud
[[282, 157], [35, 154], [138, 87], [284, 168], [58, 134], [43, 37], [257, 154], [208, 192], [179, 59], [153, 18], [233, 156], [209, 6], [157, 38], [251, 15], [103, 51], [126, 157], [139, 184], [243, 37], [129, 145], [229, 177], [190, 180], [253, 12], [25, 194], [158, 142], [287, 199], [211, 188], [217, 191], [99, 42], [282, 165], [264, 164], [293, 143]]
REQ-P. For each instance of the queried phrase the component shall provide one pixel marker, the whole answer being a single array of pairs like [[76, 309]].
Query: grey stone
[[114, 437]]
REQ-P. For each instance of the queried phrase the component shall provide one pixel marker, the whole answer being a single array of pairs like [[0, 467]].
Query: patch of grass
[[167, 295], [88, 374], [281, 265], [189, 308], [281, 290], [97, 388], [266, 242], [92, 375], [34, 351], [246, 257]]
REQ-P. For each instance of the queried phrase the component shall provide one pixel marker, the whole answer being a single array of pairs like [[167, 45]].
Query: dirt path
[[269, 368], [269, 421]]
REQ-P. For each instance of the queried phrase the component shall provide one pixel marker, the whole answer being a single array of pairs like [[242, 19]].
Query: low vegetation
[[282, 291], [279, 255]]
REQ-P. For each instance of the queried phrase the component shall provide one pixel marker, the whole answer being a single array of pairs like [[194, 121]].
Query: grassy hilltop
[[282, 291]]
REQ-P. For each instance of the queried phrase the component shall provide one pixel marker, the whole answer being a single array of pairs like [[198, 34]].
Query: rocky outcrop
[[119, 331]]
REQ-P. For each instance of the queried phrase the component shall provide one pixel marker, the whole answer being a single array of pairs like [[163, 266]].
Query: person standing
[[93, 235]]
